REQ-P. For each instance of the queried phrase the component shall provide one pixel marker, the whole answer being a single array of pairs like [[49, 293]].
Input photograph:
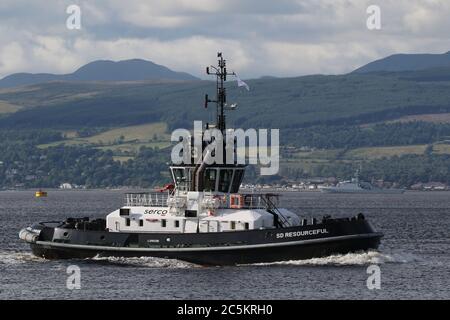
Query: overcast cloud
[[258, 37]]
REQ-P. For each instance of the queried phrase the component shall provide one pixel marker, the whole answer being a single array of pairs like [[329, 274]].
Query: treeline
[[409, 169], [23, 164], [28, 166], [29, 136], [394, 134], [404, 170]]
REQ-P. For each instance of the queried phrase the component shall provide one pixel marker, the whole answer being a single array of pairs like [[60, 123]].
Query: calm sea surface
[[414, 257]]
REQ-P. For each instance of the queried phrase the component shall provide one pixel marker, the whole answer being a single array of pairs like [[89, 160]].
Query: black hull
[[223, 257], [336, 236]]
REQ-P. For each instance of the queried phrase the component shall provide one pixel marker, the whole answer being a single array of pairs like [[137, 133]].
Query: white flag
[[241, 83]]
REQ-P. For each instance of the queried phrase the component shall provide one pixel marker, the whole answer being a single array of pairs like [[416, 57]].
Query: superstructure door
[[213, 226], [204, 226]]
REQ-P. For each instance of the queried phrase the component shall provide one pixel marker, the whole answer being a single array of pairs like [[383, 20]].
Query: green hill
[[407, 62], [271, 103], [116, 133], [101, 70]]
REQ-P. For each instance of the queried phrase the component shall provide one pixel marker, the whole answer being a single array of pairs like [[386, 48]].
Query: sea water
[[414, 257]]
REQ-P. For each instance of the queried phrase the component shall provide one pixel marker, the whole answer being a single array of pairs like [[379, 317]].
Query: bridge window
[[124, 212], [238, 175], [210, 180], [178, 175], [225, 180], [182, 177], [188, 178], [190, 213]]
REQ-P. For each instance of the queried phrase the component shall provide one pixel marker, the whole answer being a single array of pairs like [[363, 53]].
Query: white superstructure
[[195, 212]]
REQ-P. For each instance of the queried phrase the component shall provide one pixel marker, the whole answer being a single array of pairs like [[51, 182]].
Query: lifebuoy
[[236, 201]]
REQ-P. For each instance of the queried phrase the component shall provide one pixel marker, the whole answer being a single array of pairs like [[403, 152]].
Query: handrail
[[271, 207], [160, 199], [147, 199]]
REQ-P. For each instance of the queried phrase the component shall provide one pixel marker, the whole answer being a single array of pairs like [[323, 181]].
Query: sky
[[257, 37]]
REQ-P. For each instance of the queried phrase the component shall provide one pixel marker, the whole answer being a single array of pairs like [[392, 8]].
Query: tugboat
[[202, 218]]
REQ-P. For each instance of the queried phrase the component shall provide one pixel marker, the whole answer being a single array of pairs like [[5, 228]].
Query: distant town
[[311, 185], [317, 184]]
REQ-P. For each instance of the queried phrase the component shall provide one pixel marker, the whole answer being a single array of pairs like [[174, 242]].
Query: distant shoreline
[[153, 189]]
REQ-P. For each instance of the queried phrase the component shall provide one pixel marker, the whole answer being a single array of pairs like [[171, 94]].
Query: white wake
[[148, 262], [357, 259], [21, 257], [18, 257], [349, 259]]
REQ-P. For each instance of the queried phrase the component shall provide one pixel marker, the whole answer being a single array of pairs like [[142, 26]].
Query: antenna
[[206, 101], [221, 97]]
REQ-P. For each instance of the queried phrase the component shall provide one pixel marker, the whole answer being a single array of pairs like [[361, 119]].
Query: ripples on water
[[414, 256]]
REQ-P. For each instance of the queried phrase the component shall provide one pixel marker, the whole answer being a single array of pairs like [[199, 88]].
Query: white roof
[[239, 215]]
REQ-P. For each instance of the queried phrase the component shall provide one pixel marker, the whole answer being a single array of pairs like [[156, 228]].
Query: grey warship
[[356, 186]]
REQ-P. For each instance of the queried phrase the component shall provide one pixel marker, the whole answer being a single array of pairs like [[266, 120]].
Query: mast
[[221, 101]]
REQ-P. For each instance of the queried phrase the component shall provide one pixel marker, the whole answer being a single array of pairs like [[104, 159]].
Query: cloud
[[12, 57], [258, 37], [429, 18]]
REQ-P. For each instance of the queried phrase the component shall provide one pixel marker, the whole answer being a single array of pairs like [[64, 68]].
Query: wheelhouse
[[224, 179]]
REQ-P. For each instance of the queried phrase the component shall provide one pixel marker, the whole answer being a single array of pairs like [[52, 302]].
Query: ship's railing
[[259, 201], [245, 200], [147, 199]]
